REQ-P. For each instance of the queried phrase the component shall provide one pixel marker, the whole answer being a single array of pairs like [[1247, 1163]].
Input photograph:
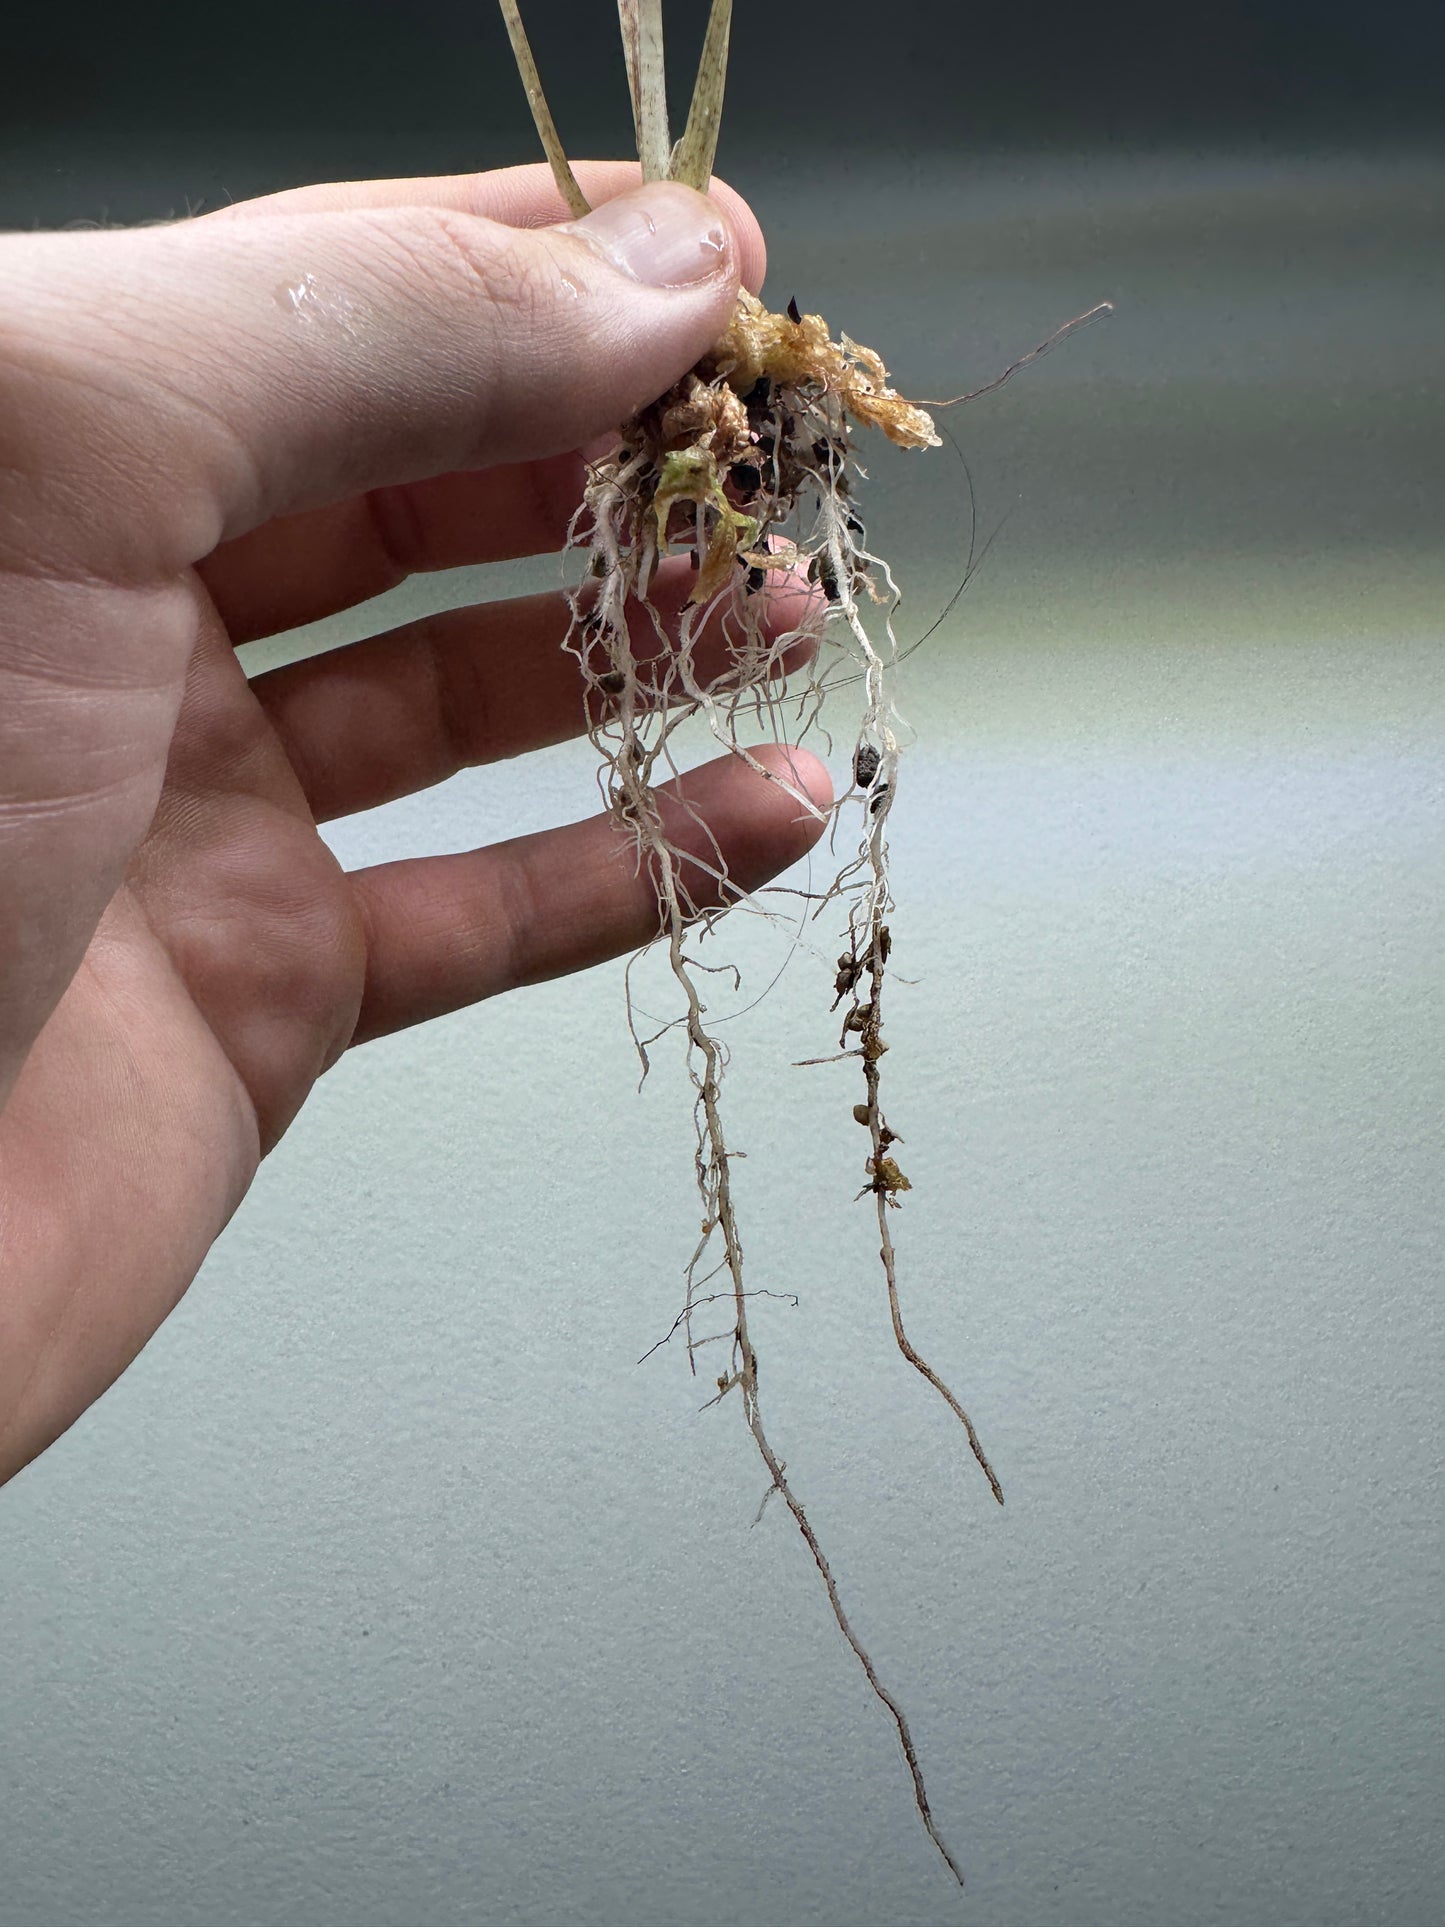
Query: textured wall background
[[387, 1591]]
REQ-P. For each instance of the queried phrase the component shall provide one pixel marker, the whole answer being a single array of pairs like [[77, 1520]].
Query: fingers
[[218, 373], [303, 567], [307, 566], [407, 709], [524, 197], [447, 931]]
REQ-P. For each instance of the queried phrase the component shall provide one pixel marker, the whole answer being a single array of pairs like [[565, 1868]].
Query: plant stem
[[541, 114], [694, 155], [641, 23]]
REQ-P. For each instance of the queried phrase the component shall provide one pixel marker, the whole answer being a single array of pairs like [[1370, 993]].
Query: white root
[[746, 462], [722, 475]]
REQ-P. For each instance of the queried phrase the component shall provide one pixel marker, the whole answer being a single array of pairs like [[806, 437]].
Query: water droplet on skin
[[299, 296], [312, 303]]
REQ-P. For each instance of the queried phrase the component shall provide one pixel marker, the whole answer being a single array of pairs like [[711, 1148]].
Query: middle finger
[[380, 719]]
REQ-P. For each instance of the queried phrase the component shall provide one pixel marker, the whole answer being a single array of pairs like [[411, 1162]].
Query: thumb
[[248, 369]]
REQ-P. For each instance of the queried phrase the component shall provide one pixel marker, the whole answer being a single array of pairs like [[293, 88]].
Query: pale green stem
[[641, 23], [694, 154], [527, 67]]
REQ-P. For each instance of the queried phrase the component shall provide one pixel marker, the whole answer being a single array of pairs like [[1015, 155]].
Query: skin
[[199, 446]]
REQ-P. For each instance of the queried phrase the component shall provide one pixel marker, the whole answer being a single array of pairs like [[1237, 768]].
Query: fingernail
[[664, 235]]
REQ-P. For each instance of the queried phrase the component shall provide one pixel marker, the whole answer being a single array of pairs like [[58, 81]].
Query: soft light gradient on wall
[[387, 1590]]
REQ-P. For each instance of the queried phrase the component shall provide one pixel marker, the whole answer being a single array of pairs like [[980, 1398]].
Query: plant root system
[[747, 465]]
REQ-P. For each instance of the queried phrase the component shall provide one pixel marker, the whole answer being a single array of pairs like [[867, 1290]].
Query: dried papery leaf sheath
[[747, 464], [799, 352]]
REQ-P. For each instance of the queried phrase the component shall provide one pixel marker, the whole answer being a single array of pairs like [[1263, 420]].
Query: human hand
[[211, 432]]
